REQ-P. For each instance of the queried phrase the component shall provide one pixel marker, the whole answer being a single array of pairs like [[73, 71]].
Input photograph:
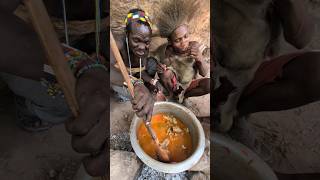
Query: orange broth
[[172, 134]]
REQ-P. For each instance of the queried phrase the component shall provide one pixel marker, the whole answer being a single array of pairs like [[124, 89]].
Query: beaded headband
[[139, 15]]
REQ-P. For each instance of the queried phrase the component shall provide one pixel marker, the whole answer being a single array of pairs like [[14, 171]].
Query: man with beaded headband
[[180, 59], [134, 49]]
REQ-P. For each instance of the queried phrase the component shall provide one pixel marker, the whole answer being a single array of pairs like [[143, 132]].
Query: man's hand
[[161, 68], [195, 52], [89, 129], [143, 102], [159, 87], [199, 59]]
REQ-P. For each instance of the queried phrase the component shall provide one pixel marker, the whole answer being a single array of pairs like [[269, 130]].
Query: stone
[[121, 114], [200, 105], [124, 165], [152, 174], [199, 176]]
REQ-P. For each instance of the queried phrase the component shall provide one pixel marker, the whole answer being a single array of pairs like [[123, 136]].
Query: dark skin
[[89, 129], [138, 40], [181, 46], [292, 89], [299, 84], [89, 134]]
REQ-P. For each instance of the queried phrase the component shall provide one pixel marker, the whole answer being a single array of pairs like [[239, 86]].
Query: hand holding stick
[[162, 153]]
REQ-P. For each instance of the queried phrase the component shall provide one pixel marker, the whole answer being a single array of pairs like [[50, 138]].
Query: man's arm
[[297, 25], [203, 70], [197, 54], [22, 53]]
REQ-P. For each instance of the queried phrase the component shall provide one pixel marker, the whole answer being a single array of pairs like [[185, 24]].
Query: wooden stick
[[120, 63], [42, 24], [44, 28]]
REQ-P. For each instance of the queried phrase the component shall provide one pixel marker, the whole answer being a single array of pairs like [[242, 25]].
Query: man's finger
[[90, 114], [97, 166], [137, 101], [148, 107], [134, 101], [94, 139], [194, 52], [144, 109], [149, 115], [141, 103]]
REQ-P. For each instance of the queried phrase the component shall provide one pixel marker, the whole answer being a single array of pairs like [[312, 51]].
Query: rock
[[120, 116], [200, 105], [120, 141], [199, 176], [147, 173], [123, 165]]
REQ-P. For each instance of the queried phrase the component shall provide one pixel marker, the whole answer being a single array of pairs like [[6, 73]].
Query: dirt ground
[[39, 156]]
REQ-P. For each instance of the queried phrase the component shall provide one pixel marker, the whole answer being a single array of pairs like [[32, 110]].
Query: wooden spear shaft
[[122, 67], [44, 28], [55, 56]]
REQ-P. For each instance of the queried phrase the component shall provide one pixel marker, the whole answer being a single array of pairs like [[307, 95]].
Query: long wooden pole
[[122, 67], [43, 26], [49, 39]]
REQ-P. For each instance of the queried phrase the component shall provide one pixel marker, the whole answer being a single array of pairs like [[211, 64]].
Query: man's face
[[139, 39], [180, 39]]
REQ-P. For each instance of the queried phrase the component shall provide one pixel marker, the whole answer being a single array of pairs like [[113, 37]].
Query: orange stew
[[173, 135]]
